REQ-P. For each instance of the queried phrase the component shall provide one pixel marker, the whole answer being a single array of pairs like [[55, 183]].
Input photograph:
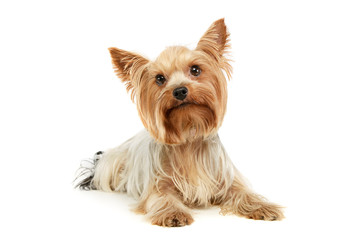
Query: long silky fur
[[138, 164], [86, 172], [178, 162]]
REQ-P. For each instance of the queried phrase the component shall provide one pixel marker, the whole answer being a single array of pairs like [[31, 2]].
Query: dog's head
[[182, 95]]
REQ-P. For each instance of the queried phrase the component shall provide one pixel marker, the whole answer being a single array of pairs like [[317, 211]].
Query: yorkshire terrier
[[178, 162]]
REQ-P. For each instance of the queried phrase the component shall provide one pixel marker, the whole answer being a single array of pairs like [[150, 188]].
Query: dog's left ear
[[129, 67], [216, 43]]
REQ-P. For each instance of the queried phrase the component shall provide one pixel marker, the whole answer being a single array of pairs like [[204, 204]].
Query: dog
[[178, 162]]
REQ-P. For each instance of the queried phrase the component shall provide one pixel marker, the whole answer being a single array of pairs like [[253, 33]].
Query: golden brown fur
[[178, 162]]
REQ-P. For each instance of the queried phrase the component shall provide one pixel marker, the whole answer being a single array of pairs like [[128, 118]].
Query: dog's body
[[178, 162]]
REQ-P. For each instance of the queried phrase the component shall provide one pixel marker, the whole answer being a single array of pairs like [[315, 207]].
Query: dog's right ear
[[129, 67]]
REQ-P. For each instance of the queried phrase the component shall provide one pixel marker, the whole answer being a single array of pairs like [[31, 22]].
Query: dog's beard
[[188, 121]]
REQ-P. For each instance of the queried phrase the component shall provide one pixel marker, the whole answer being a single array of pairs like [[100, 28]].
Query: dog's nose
[[180, 93]]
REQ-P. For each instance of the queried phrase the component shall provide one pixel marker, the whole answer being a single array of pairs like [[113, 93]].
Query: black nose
[[180, 93]]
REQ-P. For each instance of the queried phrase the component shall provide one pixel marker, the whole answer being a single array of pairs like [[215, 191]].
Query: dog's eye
[[195, 70], [160, 79]]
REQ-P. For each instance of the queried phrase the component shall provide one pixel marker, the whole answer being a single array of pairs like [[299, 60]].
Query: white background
[[292, 126]]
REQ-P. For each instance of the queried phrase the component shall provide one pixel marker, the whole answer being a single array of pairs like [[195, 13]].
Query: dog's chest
[[196, 172]]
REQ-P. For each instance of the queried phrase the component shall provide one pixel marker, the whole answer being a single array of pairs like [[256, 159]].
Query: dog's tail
[[85, 174]]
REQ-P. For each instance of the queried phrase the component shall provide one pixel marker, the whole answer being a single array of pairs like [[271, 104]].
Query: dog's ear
[[129, 67], [216, 43]]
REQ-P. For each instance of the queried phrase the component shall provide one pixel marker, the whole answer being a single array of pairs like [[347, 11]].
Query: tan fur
[[178, 162], [154, 103]]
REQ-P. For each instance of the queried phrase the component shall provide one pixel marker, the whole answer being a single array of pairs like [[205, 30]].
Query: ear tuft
[[129, 67], [216, 43]]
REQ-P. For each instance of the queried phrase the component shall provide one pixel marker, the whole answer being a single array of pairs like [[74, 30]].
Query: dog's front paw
[[267, 212], [172, 219]]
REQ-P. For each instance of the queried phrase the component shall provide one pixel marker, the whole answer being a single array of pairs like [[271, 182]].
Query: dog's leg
[[103, 172], [241, 201], [164, 207], [107, 175]]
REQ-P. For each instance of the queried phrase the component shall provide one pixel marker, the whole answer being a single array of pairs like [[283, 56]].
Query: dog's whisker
[[178, 162]]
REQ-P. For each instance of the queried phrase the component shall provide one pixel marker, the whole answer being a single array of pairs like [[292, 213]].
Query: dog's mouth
[[184, 104], [187, 105], [180, 106], [188, 120]]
